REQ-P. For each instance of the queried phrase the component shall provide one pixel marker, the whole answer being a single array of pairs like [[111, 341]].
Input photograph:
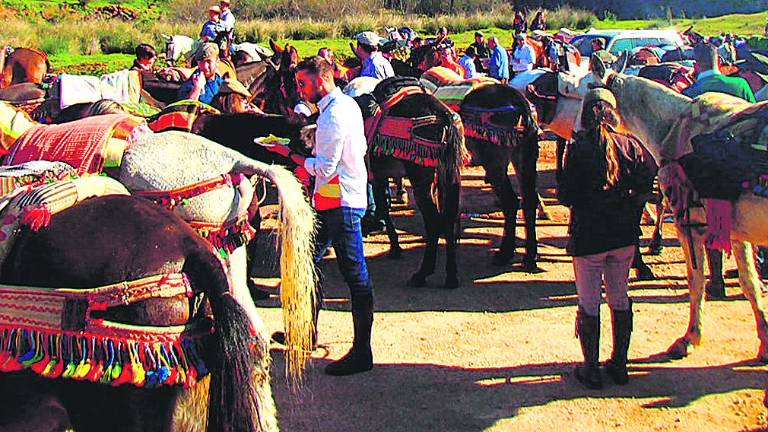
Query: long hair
[[598, 126]]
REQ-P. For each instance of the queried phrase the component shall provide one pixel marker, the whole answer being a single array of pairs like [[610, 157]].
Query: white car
[[617, 41]]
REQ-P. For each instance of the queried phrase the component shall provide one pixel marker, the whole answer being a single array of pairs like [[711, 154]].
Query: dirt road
[[498, 353]]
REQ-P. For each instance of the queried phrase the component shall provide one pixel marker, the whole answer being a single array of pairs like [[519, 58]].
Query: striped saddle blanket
[[89, 145]]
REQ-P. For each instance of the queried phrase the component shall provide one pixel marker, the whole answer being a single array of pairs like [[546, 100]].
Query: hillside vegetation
[[101, 33]]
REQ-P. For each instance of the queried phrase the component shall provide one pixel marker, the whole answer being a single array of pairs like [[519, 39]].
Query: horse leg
[[693, 249], [510, 203], [751, 286], [525, 167], [382, 200], [450, 200], [422, 191], [655, 247]]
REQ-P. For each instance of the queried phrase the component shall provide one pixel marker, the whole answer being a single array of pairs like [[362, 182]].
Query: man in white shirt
[[523, 57], [374, 63], [227, 18], [339, 198]]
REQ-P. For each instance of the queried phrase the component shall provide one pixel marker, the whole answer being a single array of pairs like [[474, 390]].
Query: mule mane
[[649, 109]]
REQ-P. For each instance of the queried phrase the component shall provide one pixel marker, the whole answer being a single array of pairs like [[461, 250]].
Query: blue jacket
[[212, 87], [210, 29], [498, 66]]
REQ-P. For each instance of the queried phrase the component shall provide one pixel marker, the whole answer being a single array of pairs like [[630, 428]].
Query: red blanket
[[80, 143]]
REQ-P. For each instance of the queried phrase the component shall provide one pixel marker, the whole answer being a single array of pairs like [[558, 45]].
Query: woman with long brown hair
[[606, 177]]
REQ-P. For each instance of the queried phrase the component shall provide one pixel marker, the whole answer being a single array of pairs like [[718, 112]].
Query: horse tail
[[297, 269], [234, 403], [449, 171], [455, 149]]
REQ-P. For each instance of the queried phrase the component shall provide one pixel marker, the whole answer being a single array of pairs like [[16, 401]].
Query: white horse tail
[[297, 269]]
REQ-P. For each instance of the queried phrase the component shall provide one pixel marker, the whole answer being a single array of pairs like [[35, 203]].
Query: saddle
[[395, 136], [732, 159]]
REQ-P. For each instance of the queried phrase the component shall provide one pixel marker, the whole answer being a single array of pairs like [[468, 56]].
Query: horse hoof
[[500, 259], [395, 253], [417, 281], [655, 249], [451, 283], [530, 266], [645, 274], [715, 290], [680, 349]]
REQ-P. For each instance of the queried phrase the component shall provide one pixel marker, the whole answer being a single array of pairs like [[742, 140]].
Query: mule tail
[[449, 171], [234, 403], [297, 269]]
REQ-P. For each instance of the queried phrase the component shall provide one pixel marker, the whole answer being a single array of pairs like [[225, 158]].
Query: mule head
[[277, 49], [602, 73]]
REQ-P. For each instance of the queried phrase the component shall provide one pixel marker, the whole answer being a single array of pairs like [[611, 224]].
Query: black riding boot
[[360, 357], [588, 331], [616, 367]]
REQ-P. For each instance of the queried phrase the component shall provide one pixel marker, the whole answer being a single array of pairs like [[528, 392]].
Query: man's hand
[[199, 81], [280, 149]]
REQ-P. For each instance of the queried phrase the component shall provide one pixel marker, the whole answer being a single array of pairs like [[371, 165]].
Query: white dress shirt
[[339, 168]]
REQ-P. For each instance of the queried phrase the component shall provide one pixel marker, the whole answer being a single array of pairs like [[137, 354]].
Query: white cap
[[368, 38]]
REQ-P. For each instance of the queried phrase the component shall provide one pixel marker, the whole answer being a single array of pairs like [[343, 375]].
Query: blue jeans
[[341, 228]]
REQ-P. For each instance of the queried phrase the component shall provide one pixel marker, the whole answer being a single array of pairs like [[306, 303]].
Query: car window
[[668, 42], [584, 45], [620, 45]]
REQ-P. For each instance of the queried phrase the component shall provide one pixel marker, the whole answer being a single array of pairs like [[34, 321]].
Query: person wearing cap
[[606, 177], [374, 64], [213, 26], [523, 57], [498, 65], [467, 61], [481, 51], [709, 79], [205, 83], [340, 200], [227, 18]]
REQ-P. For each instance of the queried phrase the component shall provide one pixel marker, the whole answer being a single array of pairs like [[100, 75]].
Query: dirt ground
[[498, 353]]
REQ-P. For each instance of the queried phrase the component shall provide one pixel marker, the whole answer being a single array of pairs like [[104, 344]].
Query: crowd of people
[[607, 175]]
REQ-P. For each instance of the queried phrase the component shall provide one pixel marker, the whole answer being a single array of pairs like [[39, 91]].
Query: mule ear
[[621, 63], [597, 66], [166, 37], [277, 49], [354, 50]]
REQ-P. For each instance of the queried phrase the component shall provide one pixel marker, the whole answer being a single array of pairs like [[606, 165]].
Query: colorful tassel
[[37, 217]]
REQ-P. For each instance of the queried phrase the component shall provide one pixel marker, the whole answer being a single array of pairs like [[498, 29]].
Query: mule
[[170, 163], [109, 240], [652, 112], [23, 65]]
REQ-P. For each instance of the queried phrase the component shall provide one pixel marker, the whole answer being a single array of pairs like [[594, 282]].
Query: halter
[[225, 236]]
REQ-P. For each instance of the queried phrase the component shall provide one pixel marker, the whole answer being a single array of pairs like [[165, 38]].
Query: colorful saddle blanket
[[451, 88], [395, 136], [180, 116], [90, 144], [51, 331]]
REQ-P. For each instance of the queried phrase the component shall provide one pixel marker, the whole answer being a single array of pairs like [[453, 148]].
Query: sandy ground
[[498, 353]]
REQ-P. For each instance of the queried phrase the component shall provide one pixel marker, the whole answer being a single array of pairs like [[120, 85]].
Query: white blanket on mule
[[120, 86]]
